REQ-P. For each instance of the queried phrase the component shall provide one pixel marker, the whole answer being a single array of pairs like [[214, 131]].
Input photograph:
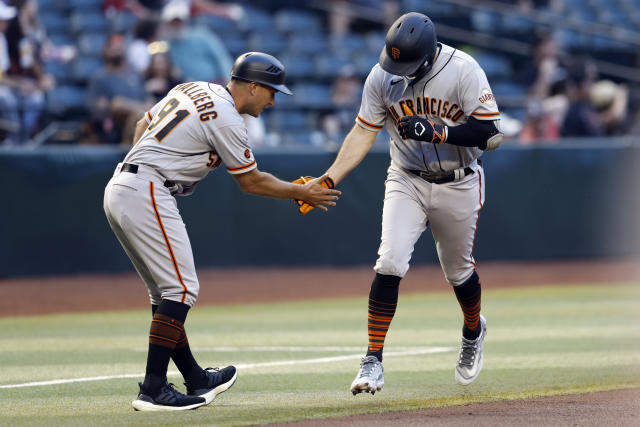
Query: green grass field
[[297, 360]]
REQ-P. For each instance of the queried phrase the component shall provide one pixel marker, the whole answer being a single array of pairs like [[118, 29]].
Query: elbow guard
[[483, 134]]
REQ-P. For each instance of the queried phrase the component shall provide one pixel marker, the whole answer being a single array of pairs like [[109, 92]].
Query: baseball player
[[196, 128], [439, 110]]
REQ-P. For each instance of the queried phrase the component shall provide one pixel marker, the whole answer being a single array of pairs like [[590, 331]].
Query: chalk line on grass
[[408, 352]]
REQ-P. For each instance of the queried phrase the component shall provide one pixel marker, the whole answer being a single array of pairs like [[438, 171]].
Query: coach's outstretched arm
[[355, 146], [264, 184]]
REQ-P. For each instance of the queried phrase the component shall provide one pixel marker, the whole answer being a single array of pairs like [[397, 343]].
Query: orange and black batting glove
[[305, 207], [411, 126]]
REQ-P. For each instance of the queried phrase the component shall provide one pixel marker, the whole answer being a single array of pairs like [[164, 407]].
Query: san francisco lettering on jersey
[[425, 106], [199, 96]]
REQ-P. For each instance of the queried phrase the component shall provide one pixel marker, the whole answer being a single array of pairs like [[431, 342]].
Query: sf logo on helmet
[[419, 129], [395, 52]]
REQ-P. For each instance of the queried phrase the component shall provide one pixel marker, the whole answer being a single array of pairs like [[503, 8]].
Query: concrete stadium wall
[[568, 201]]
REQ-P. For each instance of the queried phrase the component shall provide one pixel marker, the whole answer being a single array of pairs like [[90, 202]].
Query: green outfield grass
[[541, 341]]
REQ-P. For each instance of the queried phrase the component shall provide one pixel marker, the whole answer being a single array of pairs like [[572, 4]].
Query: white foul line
[[427, 350]]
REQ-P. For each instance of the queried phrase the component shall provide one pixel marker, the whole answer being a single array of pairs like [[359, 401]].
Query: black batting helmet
[[411, 42], [260, 68]]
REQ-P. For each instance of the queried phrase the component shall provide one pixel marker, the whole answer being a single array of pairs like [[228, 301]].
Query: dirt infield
[[32, 296], [617, 408]]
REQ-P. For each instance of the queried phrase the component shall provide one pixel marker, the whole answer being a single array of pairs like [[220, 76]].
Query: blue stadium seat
[[218, 24], [273, 44], [54, 21], [375, 42], [91, 44], [85, 67], [346, 45], [297, 67], [85, 5], [88, 22], [484, 21], [296, 21], [507, 90], [236, 43], [282, 120], [61, 71], [122, 22], [257, 20], [494, 65], [64, 98], [311, 95], [330, 65], [307, 44]]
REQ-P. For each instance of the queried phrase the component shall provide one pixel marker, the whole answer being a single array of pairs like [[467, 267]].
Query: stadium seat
[[312, 95], [61, 71], [297, 67], [218, 24], [88, 22], [307, 44], [90, 44], [346, 45], [329, 66], [54, 21], [494, 65], [84, 67], [85, 6], [273, 45], [296, 21], [257, 20], [63, 98]]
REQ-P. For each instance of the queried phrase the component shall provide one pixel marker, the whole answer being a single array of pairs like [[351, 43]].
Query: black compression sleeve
[[474, 133]]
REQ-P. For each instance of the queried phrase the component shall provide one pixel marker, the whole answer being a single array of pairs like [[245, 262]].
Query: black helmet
[[260, 68], [411, 42]]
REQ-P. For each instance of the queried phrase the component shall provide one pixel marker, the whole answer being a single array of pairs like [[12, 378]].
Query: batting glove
[[414, 127]]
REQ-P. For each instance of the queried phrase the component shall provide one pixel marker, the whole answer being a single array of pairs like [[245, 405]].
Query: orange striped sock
[[383, 300], [469, 295]]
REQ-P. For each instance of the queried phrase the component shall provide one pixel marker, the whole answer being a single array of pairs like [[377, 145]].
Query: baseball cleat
[[369, 378], [470, 359], [169, 399], [218, 381]]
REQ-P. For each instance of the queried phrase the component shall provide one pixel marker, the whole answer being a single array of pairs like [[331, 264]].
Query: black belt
[[130, 167], [439, 177]]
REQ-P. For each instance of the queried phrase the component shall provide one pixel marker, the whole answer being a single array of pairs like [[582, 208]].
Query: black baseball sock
[[469, 296], [164, 334], [383, 299], [184, 360]]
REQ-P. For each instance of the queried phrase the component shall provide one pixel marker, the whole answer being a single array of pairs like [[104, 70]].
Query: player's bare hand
[[321, 192]]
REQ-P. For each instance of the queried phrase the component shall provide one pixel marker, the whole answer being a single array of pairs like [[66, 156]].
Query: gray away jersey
[[454, 89], [193, 130]]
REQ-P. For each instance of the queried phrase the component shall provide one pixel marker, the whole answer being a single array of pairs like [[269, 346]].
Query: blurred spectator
[[546, 116], [610, 100], [342, 14], [582, 119], [26, 38], [544, 67], [345, 96], [197, 52], [9, 119], [139, 51], [143, 9], [116, 95], [161, 76]]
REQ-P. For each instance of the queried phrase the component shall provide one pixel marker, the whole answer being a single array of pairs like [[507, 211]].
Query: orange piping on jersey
[[473, 242], [166, 240], [485, 115], [243, 167], [149, 117], [369, 124]]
